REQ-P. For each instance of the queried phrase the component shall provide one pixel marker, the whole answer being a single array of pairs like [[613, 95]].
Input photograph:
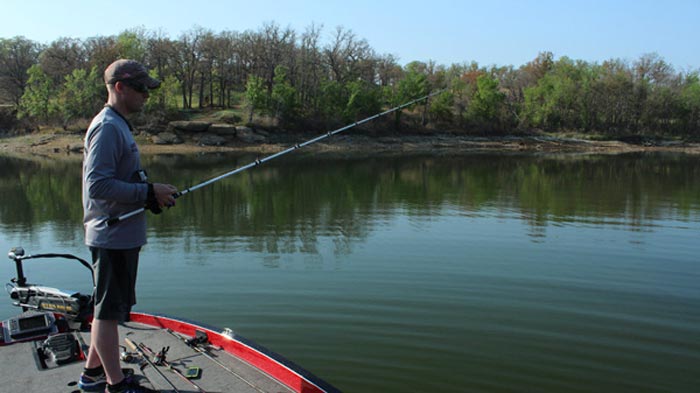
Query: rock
[[222, 129], [154, 130], [247, 135], [166, 138], [43, 140], [75, 148], [190, 126], [211, 140]]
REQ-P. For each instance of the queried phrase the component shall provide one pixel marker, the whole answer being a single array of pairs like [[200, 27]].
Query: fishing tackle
[[116, 220], [141, 352], [161, 361], [197, 342]]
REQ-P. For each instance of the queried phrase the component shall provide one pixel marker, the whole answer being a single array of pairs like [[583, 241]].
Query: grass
[[230, 116]]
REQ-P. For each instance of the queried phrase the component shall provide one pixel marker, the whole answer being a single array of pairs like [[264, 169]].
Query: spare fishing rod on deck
[[116, 220]]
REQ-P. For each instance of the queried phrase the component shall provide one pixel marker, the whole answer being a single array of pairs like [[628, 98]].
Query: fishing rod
[[116, 220], [195, 343], [135, 347], [170, 366]]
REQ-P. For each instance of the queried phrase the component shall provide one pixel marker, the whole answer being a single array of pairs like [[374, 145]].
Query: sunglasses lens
[[139, 87]]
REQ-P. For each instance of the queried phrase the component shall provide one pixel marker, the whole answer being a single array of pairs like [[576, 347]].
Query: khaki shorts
[[115, 282]]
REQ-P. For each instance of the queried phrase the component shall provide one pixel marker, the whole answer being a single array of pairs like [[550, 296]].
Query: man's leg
[[93, 359], [104, 346], [115, 278]]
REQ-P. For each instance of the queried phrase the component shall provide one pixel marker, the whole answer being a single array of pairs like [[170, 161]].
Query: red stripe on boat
[[258, 359]]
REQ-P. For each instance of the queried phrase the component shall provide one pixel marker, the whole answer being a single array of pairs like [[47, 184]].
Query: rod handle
[[130, 344]]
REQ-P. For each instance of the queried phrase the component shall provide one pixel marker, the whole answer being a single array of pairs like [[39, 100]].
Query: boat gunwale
[[271, 363]]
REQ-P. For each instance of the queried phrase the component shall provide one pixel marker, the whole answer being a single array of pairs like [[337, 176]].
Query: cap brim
[[151, 83]]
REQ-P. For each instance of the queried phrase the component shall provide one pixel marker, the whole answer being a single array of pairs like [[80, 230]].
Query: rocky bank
[[202, 136]]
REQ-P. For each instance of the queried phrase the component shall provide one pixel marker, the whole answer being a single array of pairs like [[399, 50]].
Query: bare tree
[[388, 70], [205, 66], [184, 62], [63, 56], [160, 48], [345, 56], [101, 51], [17, 55], [275, 47], [310, 72]]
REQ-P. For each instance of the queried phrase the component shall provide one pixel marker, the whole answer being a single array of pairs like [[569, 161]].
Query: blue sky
[[504, 32]]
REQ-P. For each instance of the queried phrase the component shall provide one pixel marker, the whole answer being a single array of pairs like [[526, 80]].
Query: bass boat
[[43, 348]]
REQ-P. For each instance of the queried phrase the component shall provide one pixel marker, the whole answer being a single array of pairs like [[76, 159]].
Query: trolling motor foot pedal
[[61, 348]]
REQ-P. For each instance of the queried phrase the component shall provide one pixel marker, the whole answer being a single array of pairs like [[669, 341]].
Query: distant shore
[[61, 145]]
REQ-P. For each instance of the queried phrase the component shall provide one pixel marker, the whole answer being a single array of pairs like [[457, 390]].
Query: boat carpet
[[22, 372]]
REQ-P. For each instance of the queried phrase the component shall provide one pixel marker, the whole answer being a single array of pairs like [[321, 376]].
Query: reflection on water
[[475, 272]]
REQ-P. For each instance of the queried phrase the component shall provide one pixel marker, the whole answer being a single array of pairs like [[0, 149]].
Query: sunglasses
[[139, 87]]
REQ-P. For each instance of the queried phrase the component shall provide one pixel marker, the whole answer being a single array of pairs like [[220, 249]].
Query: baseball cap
[[130, 71]]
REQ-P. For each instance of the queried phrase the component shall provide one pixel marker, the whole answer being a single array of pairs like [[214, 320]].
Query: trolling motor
[[49, 315], [30, 297]]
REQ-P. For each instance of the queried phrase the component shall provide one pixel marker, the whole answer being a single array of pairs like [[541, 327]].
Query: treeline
[[301, 80]]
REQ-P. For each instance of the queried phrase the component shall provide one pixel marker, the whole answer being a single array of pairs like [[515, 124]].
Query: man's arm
[[101, 162]]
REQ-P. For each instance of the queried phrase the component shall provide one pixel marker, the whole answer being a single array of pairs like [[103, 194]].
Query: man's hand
[[159, 196], [164, 194]]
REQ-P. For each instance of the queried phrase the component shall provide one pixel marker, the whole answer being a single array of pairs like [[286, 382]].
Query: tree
[[655, 92], [290, 76], [388, 70], [441, 108], [205, 67], [487, 101], [39, 98], [255, 94], [284, 97], [17, 56], [101, 51], [132, 44], [413, 85], [345, 56], [269, 48], [226, 67], [164, 98], [537, 68], [310, 73], [184, 61], [333, 98], [690, 97], [82, 94], [562, 98], [364, 100], [615, 97], [63, 56]]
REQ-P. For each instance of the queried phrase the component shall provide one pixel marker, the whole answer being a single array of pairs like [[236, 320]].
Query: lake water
[[450, 273]]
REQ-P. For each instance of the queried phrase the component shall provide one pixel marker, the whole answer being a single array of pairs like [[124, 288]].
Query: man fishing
[[114, 183]]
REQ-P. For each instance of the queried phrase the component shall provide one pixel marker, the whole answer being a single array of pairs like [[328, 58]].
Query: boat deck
[[43, 349], [22, 371]]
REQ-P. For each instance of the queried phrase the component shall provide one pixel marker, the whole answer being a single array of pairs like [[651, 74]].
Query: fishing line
[[116, 220]]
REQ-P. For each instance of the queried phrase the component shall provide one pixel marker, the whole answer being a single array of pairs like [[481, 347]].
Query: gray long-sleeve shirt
[[111, 185]]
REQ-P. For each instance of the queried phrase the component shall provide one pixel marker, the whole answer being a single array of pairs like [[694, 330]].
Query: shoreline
[[62, 145]]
